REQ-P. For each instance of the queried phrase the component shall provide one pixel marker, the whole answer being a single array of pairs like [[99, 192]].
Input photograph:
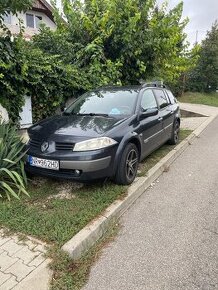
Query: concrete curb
[[89, 235]]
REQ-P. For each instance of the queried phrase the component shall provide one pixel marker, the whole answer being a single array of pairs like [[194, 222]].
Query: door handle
[[160, 119]]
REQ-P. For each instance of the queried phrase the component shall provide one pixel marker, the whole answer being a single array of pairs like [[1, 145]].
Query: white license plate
[[44, 163]]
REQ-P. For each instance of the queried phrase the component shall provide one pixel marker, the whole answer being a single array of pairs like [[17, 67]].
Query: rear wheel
[[127, 169], [175, 133]]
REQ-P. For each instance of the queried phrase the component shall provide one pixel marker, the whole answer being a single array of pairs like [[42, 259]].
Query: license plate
[[44, 163]]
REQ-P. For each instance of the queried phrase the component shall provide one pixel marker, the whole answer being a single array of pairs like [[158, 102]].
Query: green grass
[[57, 220], [200, 98], [156, 156]]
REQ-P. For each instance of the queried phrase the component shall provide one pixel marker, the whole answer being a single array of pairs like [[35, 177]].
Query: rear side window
[[148, 100], [171, 97], [161, 98]]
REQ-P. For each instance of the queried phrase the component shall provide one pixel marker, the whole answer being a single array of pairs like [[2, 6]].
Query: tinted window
[[110, 102], [29, 20], [148, 100], [171, 97], [161, 98]]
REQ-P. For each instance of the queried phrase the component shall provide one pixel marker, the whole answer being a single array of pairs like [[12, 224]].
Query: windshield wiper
[[90, 114]]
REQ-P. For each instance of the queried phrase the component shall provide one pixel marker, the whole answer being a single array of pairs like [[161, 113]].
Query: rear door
[[150, 127], [166, 113]]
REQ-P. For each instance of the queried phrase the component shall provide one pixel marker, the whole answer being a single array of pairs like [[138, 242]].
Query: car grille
[[60, 146], [33, 143]]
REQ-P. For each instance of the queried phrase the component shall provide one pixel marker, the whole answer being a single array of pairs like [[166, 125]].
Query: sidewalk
[[168, 239], [23, 265], [194, 122]]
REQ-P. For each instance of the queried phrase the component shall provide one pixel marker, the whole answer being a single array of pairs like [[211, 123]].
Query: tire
[[128, 166], [175, 133]]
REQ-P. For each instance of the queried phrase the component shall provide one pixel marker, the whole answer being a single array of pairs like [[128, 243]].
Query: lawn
[[200, 98], [57, 210]]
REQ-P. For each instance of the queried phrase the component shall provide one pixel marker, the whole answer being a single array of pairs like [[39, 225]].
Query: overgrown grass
[[200, 98], [57, 220]]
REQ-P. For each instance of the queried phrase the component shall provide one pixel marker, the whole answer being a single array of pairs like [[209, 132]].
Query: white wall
[[15, 29], [3, 115]]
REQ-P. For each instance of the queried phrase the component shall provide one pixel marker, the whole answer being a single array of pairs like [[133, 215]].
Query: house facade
[[41, 12]]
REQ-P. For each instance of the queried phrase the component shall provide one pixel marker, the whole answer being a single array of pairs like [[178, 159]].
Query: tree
[[120, 41], [14, 6], [204, 77]]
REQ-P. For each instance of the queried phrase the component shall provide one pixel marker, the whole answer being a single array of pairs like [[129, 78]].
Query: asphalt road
[[169, 238]]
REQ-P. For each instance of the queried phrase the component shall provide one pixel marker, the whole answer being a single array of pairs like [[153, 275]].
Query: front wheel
[[175, 133], [127, 169]]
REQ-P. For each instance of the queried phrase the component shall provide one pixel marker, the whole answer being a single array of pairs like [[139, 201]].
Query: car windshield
[[105, 102]]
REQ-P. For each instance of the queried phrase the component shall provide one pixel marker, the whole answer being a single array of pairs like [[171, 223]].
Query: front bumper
[[96, 165]]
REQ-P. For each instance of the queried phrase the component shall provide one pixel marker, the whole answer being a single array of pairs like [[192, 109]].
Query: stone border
[[90, 234]]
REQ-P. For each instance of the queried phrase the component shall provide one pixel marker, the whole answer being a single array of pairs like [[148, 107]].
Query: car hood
[[81, 127]]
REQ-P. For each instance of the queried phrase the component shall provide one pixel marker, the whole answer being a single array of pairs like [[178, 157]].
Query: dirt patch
[[66, 190]]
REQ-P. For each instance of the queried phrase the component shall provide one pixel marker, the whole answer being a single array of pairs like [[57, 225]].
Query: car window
[[161, 98], [171, 97], [148, 100]]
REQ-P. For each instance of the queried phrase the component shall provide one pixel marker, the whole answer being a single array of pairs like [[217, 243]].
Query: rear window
[[173, 100], [161, 98]]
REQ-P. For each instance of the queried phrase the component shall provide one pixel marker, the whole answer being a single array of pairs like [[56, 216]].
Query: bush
[[12, 175]]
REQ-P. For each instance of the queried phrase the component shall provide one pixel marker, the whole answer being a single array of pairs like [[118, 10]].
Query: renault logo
[[44, 146]]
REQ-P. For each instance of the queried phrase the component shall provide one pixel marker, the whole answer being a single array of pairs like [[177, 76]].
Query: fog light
[[77, 172]]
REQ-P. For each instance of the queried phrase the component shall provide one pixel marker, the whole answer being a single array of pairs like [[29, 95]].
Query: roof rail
[[158, 84]]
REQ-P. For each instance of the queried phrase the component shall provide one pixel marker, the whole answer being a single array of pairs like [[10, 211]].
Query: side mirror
[[148, 113]]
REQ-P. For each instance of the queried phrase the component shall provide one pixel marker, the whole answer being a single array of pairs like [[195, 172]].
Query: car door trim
[[146, 140]]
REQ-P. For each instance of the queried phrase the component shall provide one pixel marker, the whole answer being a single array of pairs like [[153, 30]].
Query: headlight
[[94, 144]]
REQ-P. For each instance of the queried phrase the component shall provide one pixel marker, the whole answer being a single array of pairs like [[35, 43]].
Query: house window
[[33, 21], [30, 20], [7, 18], [38, 20]]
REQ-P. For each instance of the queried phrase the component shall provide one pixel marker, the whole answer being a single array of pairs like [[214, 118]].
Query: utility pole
[[196, 37]]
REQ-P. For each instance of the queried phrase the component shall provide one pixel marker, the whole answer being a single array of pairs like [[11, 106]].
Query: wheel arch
[[130, 138]]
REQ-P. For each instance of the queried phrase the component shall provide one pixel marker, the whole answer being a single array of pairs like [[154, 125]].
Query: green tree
[[14, 6], [204, 77], [120, 41]]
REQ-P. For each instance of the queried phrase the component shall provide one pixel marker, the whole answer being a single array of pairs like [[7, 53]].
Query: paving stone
[[40, 248], [31, 245], [39, 279], [4, 277], [37, 261], [11, 247], [19, 270], [3, 240], [9, 284], [26, 255], [6, 261]]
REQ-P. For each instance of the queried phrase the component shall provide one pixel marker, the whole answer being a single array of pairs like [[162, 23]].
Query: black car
[[104, 133]]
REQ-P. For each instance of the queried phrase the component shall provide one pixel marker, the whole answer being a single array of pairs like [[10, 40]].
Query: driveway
[[169, 238]]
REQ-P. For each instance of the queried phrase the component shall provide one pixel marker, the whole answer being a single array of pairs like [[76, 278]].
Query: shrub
[[12, 175]]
